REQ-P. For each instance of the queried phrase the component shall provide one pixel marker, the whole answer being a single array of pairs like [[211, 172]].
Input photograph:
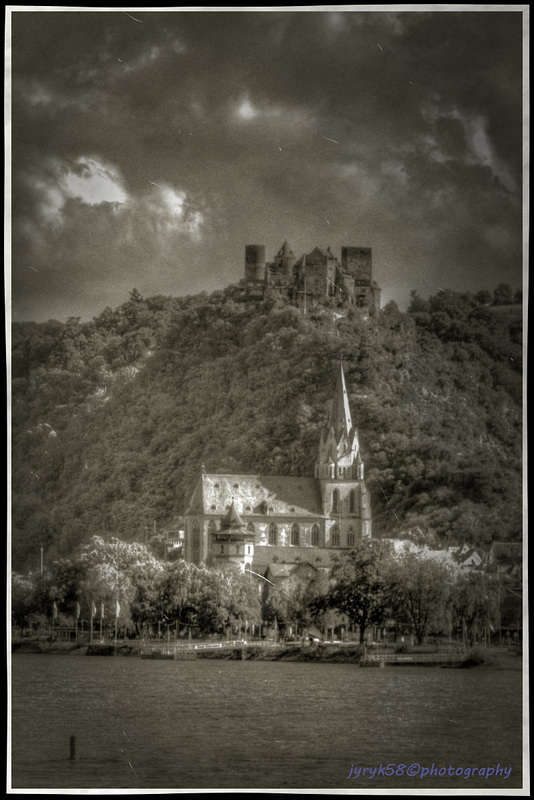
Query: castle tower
[[254, 263], [357, 262], [340, 470], [284, 261], [357, 269]]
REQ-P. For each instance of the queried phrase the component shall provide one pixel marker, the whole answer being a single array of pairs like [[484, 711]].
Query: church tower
[[340, 470]]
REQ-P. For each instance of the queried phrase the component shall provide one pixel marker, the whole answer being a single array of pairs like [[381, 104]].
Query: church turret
[[233, 543], [232, 518]]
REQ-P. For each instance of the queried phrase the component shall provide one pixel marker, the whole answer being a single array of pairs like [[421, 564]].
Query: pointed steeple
[[339, 447], [232, 518], [284, 261], [340, 418], [285, 250]]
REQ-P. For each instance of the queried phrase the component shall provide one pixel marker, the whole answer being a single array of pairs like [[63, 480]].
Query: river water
[[210, 724]]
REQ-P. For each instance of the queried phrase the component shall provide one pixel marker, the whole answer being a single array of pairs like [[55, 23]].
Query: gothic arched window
[[295, 533], [273, 533], [335, 501], [251, 528], [315, 533], [351, 538], [335, 536], [352, 501], [195, 542]]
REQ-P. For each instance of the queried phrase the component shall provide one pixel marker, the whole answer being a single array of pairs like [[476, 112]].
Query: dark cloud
[[399, 131]]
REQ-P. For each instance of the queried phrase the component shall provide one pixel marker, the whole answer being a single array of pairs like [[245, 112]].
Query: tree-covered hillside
[[113, 419]]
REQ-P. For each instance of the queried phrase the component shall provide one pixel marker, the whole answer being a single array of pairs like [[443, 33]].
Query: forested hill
[[113, 419]]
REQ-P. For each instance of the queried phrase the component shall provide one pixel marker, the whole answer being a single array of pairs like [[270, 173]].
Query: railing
[[168, 648]]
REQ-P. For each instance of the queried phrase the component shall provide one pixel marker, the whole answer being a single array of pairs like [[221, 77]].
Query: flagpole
[[116, 619]]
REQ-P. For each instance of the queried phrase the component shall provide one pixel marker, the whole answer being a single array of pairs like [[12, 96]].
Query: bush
[[475, 657]]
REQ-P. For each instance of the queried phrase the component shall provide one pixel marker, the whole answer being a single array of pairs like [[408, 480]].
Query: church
[[256, 521]]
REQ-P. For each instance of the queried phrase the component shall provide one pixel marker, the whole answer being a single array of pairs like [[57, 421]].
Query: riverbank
[[480, 658]]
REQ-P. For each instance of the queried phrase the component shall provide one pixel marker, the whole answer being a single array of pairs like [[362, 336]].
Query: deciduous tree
[[359, 585], [475, 603], [419, 590]]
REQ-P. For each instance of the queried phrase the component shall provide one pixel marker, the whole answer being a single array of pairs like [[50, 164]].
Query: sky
[[149, 147]]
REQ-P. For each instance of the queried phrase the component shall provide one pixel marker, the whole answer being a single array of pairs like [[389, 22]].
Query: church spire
[[340, 418], [339, 447]]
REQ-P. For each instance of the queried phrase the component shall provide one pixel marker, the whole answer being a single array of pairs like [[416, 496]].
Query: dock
[[411, 659]]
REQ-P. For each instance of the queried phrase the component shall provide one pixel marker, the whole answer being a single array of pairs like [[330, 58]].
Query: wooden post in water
[[73, 748]]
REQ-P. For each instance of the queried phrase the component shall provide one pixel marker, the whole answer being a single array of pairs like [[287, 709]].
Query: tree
[[417, 304], [291, 607], [484, 297], [239, 595], [180, 592], [503, 294], [419, 587], [475, 603], [23, 601], [68, 577], [276, 608], [45, 594], [147, 581], [102, 572], [359, 586]]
